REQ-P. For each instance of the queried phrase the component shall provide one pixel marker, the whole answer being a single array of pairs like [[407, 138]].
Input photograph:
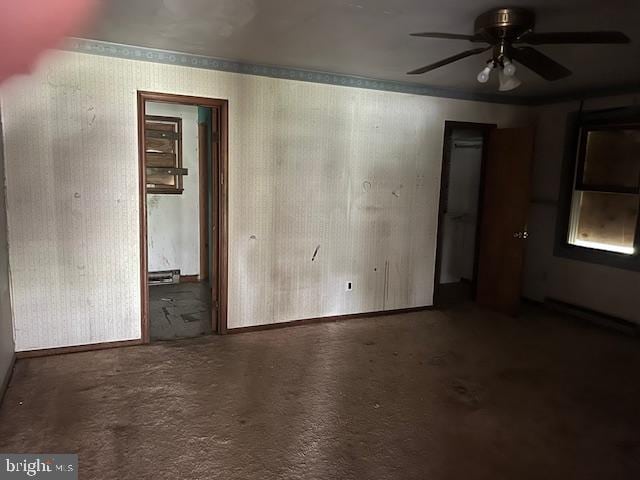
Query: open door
[[503, 232]]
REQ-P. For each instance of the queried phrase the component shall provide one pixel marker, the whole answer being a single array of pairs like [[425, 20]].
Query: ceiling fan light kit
[[505, 29], [507, 82], [485, 73]]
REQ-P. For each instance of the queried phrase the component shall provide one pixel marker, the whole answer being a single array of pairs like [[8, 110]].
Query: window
[[163, 154], [599, 210], [606, 197]]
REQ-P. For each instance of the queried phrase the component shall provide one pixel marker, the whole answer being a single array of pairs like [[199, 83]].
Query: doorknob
[[522, 235]]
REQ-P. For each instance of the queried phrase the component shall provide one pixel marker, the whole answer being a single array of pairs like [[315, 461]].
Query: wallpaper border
[[144, 54]]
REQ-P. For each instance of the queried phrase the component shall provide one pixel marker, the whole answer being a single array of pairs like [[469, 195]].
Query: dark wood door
[[505, 209]]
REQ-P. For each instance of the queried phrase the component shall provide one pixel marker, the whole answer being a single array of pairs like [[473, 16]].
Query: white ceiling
[[370, 37]]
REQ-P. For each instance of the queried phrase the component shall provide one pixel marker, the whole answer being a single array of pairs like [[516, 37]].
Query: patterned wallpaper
[[353, 173]]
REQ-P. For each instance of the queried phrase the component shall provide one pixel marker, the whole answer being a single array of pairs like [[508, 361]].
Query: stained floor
[[455, 394], [181, 310]]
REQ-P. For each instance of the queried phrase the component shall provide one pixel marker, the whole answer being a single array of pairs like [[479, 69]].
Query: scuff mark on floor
[[166, 314]]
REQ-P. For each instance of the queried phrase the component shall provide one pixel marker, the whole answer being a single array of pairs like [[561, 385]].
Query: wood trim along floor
[[334, 318], [294, 323], [7, 378], [78, 348]]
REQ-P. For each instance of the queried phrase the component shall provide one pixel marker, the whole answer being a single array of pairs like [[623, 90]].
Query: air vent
[[165, 277]]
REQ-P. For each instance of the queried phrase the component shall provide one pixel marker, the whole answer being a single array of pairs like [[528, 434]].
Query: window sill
[[599, 257]]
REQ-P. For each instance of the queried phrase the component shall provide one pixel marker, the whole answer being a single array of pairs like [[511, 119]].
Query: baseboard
[[597, 318], [78, 348], [189, 278], [531, 301], [335, 318], [7, 378], [130, 343]]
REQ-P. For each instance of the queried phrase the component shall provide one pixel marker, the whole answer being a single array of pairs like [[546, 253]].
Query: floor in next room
[[457, 394], [181, 310]]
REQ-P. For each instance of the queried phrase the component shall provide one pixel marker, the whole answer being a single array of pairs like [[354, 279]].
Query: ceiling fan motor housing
[[505, 30], [501, 24]]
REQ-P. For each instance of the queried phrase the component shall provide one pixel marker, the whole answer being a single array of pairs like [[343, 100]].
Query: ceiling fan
[[505, 29]]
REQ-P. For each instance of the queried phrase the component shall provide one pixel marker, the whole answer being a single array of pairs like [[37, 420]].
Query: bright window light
[[605, 246]]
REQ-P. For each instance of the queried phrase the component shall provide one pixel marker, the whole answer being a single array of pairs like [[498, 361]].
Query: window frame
[[574, 158], [582, 159], [177, 189]]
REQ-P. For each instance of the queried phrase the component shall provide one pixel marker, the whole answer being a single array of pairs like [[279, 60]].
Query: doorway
[[482, 221], [183, 215], [460, 211]]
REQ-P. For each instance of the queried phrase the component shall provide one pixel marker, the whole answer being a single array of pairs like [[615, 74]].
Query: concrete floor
[[455, 394], [181, 310]]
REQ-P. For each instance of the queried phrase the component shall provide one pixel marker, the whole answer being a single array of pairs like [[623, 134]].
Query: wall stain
[[315, 253], [152, 202]]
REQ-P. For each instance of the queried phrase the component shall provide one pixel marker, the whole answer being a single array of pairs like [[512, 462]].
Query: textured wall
[[355, 172], [608, 290], [173, 221], [6, 322]]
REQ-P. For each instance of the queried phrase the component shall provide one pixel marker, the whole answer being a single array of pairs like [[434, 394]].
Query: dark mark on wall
[[252, 237], [366, 186], [315, 253], [396, 193]]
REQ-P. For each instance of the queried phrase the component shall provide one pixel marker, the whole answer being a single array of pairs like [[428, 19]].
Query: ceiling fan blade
[[538, 62], [451, 36], [449, 60], [533, 38]]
